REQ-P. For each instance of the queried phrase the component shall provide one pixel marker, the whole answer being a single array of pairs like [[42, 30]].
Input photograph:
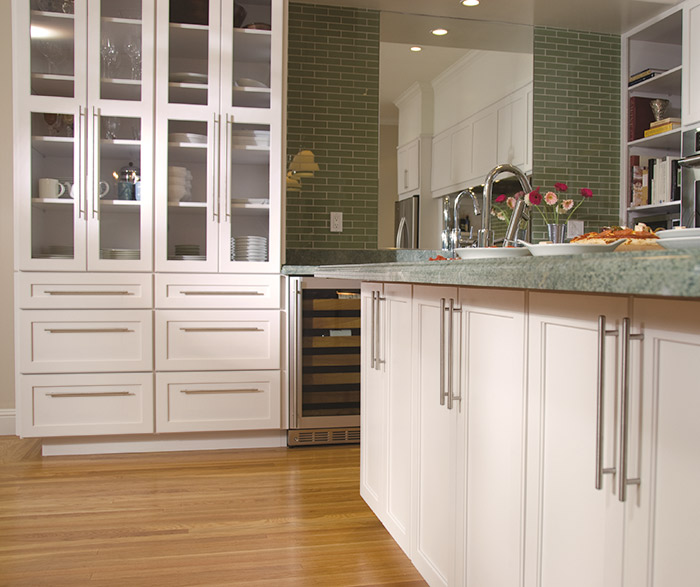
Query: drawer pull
[[86, 330], [221, 293], [195, 391], [88, 293], [222, 329], [94, 394]]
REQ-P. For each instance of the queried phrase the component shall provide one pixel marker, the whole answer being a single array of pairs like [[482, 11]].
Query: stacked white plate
[[179, 184], [186, 137], [679, 238], [187, 253], [188, 77], [249, 248], [123, 254], [56, 252], [259, 138]]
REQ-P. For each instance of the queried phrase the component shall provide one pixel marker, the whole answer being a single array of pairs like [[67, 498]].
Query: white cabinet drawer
[[74, 341], [243, 400], [86, 404], [218, 291], [202, 340], [84, 290]]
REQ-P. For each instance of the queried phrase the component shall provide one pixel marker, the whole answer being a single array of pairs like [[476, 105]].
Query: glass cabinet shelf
[[52, 84], [123, 148], [53, 146], [252, 45]]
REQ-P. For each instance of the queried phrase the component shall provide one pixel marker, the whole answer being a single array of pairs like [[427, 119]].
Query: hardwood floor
[[256, 517]]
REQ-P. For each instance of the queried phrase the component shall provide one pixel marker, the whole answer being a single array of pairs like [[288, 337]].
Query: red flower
[[562, 187], [586, 193], [535, 197], [501, 198]]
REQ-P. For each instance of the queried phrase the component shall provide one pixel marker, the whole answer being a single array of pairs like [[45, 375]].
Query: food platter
[[570, 248], [491, 252]]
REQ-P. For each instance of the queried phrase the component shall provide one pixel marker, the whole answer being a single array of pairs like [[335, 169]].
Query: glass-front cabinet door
[[84, 181], [220, 176]]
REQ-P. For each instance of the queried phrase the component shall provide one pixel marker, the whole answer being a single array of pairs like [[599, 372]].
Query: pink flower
[[566, 205], [501, 198], [534, 198], [518, 195], [550, 198], [562, 187], [586, 193], [511, 202]]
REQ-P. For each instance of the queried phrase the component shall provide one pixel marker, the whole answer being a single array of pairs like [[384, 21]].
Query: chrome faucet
[[451, 233], [485, 235]]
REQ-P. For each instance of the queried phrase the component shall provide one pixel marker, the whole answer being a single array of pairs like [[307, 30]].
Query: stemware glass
[[133, 50], [111, 126], [110, 58], [53, 53]]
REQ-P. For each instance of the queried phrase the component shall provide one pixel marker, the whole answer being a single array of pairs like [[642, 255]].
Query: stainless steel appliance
[[406, 223], [690, 179], [324, 366]]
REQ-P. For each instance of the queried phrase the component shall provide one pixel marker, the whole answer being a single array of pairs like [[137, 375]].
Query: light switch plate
[[336, 222]]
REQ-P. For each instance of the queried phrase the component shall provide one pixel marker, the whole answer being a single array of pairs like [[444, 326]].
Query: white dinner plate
[[245, 82], [571, 248], [186, 137], [492, 252], [187, 77], [692, 242], [676, 233]]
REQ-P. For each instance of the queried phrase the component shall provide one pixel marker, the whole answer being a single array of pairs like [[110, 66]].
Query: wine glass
[[111, 125], [54, 122], [133, 50], [110, 57], [53, 53]]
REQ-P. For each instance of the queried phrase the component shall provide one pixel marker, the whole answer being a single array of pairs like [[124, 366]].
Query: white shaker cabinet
[[662, 515], [386, 463], [574, 531], [492, 439], [408, 162], [438, 415], [84, 135], [219, 137], [691, 63]]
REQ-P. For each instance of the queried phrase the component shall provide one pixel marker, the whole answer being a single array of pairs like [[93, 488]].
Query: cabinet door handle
[[64, 292], [405, 178], [80, 195], [451, 397], [215, 169], [87, 330], [196, 391], [227, 166], [623, 481], [221, 329], [378, 331], [95, 212], [221, 293], [443, 308], [93, 394], [372, 354], [600, 404]]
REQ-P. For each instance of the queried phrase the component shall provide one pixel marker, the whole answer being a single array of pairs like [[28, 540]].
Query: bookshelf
[[652, 56]]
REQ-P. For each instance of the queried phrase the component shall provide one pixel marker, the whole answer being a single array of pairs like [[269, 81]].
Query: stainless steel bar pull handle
[[623, 481], [600, 404], [65, 292], [378, 332], [221, 293], [221, 329], [450, 350], [443, 394], [87, 330], [195, 391], [371, 334], [94, 394]]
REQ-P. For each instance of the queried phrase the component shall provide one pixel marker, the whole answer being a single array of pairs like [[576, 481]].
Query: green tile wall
[[333, 109], [576, 107]]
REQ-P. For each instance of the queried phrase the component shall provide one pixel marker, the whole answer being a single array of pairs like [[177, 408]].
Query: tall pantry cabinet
[[148, 138]]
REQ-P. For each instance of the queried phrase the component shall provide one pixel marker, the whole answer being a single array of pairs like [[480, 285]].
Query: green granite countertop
[[650, 273]]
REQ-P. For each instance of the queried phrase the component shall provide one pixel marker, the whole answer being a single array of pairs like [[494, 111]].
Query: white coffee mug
[[104, 189], [50, 188]]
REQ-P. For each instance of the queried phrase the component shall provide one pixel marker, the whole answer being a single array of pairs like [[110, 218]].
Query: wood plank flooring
[[264, 517]]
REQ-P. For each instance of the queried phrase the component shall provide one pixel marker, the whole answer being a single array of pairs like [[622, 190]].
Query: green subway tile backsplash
[[333, 110], [576, 109]]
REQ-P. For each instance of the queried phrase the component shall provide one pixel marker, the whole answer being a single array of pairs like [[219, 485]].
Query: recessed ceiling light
[[439, 32], [470, 2], [416, 49]]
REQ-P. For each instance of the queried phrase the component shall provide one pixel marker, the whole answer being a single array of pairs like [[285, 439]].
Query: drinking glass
[[133, 50], [110, 58]]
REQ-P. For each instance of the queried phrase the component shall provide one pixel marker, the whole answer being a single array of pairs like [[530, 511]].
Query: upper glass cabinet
[[220, 54]]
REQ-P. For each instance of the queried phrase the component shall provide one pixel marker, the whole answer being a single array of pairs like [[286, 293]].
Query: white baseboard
[[163, 443], [7, 422]]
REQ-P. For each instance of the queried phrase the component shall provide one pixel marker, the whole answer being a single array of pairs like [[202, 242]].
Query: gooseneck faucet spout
[[455, 236], [485, 235]]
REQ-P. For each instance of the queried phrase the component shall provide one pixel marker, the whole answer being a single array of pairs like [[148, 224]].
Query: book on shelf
[[640, 116], [665, 121], [663, 180], [645, 74], [640, 188], [650, 132]]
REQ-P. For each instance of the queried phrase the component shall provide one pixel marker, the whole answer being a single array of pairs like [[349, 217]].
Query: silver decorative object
[[659, 107]]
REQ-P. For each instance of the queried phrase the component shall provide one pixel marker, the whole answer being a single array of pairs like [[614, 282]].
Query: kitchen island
[[532, 421]]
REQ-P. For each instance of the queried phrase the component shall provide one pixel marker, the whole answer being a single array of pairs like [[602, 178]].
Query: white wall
[[7, 366], [388, 188]]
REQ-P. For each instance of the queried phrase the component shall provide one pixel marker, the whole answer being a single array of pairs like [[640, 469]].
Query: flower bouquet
[[556, 208]]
